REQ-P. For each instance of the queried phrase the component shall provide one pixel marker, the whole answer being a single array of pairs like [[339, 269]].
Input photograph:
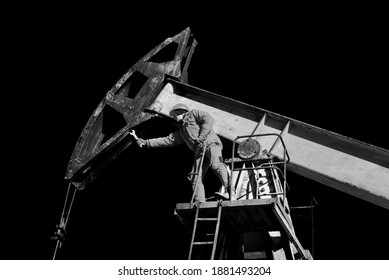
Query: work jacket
[[197, 125]]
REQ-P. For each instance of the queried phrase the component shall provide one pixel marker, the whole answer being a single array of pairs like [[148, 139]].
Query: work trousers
[[212, 158]]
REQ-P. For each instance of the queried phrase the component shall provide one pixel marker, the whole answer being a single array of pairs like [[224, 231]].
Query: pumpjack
[[257, 223]]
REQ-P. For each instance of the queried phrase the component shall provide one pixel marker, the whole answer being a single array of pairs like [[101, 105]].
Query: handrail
[[286, 155]]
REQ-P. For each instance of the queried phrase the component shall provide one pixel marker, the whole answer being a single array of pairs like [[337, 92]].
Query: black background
[[322, 68]]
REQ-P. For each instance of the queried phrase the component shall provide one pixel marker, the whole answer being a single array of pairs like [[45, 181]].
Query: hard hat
[[179, 106]]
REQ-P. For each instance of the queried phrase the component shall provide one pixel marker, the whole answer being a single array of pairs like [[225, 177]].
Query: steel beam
[[346, 164]]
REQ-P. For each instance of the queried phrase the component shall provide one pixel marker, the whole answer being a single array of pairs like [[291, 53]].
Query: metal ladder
[[214, 234]]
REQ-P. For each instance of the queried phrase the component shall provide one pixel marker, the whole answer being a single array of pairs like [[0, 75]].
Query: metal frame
[[286, 159]]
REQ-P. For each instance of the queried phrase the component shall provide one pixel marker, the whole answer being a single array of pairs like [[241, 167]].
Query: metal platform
[[245, 216], [238, 215]]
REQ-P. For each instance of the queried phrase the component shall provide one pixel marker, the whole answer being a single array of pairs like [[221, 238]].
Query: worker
[[197, 133]]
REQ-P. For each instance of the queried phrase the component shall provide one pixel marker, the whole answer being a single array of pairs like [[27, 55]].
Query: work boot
[[224, 194], [197, 203]]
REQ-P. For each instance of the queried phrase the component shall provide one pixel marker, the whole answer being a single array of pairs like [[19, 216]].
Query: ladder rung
[[213, 235], [203, 243], [207, 219]]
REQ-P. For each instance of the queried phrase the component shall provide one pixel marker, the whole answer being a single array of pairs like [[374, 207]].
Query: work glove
[[141, 142], [199, 147]]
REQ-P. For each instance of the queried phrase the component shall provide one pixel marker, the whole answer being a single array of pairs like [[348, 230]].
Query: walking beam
[[343, 163]]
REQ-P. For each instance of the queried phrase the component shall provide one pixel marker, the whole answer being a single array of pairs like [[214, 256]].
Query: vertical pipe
[[313, 230], [284, 195], [232, 168]]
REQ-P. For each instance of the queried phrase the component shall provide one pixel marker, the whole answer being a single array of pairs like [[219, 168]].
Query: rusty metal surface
[[105, 135]]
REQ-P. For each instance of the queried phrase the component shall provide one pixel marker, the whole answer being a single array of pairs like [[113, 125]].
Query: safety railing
[[270, 165]]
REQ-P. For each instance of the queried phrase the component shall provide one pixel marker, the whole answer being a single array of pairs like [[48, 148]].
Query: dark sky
[[320, 69]]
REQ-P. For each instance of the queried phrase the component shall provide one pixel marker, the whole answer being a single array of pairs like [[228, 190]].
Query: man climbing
[[197, 133]]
